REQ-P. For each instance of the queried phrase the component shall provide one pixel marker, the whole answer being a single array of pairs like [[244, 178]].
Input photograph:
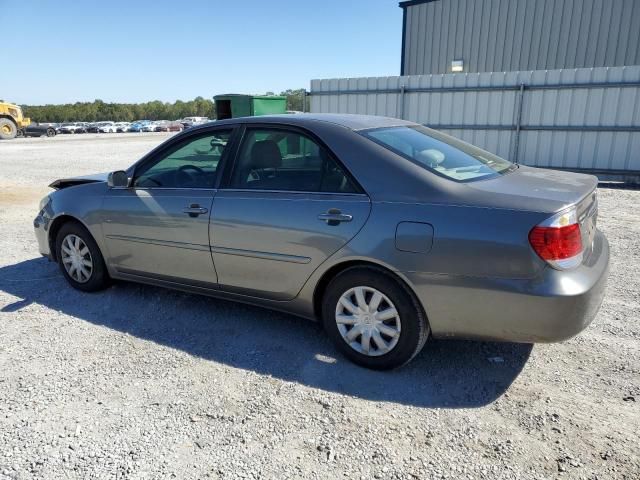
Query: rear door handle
[[194, 210], [335, 217]]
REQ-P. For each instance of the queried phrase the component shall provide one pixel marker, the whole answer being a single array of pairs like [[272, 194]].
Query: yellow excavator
[[11, 120]]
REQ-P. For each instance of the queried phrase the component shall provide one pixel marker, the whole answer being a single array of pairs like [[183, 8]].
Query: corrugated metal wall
[[574, 119], [511, 35]]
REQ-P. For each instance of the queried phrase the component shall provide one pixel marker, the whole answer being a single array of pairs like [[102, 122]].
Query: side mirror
[[118, 179]]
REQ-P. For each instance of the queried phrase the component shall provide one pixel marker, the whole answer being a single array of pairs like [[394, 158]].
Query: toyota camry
[[386, 231]]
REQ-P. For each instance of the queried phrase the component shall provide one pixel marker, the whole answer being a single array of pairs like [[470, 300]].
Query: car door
[[286, 206], [159, 226]]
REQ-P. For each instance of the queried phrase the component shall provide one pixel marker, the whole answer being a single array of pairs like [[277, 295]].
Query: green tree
[[99, 110], [296, 99]]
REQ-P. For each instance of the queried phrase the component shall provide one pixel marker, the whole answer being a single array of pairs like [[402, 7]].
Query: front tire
[[80, 259], [373, 318], [8, 129], [51, 132]]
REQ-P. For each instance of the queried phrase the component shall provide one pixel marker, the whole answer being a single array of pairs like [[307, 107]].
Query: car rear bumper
[[552, 307]]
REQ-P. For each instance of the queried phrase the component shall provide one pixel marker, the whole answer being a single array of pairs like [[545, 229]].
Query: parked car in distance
[[101, 127], [38, 130], [122, 127], [167, 126], [173, 127], [107, 127], [151, 126], [138, 125], [81, 128], [67, 128], [384, 230], [188, 122]]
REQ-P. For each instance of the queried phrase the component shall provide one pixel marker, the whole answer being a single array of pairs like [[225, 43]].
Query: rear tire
[[80, 259], [8, 129], [393, 324]]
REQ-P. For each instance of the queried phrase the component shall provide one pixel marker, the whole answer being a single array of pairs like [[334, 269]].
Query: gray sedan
[[385, 231]]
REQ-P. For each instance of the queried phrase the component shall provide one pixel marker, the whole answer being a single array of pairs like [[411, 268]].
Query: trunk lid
[[547, 192], [534, 189]]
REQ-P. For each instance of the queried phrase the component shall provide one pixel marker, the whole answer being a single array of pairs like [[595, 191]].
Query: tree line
[[127, 112], [119, 112]]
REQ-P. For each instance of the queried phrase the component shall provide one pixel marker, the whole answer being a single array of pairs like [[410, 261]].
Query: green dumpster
[[237, 105]]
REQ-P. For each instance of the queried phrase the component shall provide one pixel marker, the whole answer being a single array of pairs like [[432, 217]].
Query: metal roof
[[409, 3]]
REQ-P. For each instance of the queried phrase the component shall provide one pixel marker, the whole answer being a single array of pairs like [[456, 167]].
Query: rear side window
[[442, 154], [274, 159]]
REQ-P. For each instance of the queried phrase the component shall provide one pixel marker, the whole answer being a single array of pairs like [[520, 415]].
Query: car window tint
[[440, 153], [272, 159], [191, 164]]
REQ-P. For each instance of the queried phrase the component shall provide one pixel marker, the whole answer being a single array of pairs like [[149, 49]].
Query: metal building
[[585, 119], [445, 36], [549, 83]]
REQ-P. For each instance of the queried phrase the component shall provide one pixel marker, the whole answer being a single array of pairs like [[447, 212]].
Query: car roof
[[353, 122]]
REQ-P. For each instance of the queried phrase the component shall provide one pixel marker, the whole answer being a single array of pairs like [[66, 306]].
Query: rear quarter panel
[[486, 246], [467, 241]]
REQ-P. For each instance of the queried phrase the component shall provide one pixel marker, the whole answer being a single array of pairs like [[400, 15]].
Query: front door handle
[[194, 210], [334, 217]]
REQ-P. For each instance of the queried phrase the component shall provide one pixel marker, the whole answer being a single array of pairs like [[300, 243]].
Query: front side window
[[190, 164], [273, 159], [440, 153]]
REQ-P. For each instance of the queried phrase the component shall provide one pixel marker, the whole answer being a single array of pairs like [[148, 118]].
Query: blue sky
[[133, 51]]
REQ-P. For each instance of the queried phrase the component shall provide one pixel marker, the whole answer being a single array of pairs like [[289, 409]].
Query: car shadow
[[447, 374]]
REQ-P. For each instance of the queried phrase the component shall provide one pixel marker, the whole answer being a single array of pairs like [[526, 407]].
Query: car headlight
[[44, 202]]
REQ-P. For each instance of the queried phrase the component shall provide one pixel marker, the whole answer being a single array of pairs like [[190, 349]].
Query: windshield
[[440, 153]]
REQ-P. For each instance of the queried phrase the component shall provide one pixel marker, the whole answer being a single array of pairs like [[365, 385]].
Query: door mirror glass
[[118, 179]]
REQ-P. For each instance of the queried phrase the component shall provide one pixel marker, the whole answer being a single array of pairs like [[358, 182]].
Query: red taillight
[[556, 243]]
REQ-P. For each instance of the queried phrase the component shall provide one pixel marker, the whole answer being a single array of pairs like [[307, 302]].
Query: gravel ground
[[142, 382]]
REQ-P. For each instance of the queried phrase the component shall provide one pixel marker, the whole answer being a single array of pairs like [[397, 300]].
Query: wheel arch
[[9, 117], [56, 225], [338, 268]]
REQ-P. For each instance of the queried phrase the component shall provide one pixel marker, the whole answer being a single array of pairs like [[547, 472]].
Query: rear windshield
[[440, 153]]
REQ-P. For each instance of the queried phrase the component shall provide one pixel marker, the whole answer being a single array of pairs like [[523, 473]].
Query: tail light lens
[[558, 240]]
